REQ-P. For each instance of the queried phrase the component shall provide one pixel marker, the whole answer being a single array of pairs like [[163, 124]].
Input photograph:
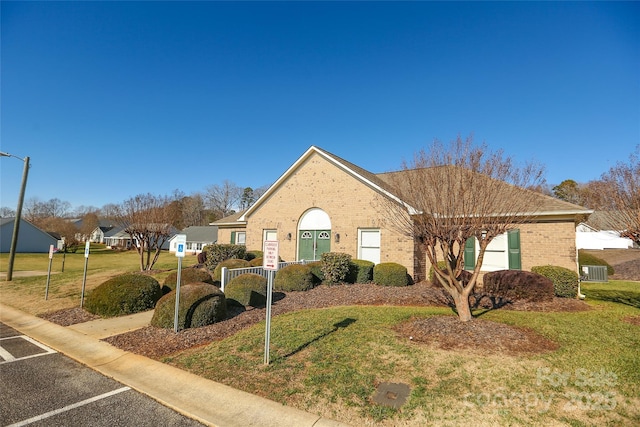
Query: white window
[[241, 238], [270, 235]]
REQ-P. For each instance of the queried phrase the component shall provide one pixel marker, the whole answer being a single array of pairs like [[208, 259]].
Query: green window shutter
[[470, 254], [233, 237], [515, 262]]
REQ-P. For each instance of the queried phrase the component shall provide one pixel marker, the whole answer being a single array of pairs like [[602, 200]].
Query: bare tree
[[83, 210], [621, 193], [193, 210], [6, 212], [63, 227], [455, 192], [89, 223], [148, 221], [223, 199]]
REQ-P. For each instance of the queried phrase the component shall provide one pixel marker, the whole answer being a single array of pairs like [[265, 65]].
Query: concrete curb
[[206, 401]]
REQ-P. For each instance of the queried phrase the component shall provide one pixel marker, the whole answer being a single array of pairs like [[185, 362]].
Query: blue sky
[[114, 99]]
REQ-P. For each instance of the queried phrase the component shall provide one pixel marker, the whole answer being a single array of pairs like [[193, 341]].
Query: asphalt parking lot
[[41, 387]]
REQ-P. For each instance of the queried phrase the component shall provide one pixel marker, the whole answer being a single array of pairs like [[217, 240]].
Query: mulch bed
[[445, 331]]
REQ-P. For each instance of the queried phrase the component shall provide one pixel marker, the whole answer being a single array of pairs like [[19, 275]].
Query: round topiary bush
[[256, 262], [360, 271], [251, 255], [390, 274], [294, 277], [515, 285], [316, 270], [247, 289], [565, 281], [125, 294], [200, 305], [187, 276], [229, 263]]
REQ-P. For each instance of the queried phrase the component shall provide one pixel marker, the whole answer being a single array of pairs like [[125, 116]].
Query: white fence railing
[[230, 273]]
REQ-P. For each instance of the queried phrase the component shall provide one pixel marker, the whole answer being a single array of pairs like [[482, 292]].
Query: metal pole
[[16, 224], [84, 276], [267, 330], [177, 310]]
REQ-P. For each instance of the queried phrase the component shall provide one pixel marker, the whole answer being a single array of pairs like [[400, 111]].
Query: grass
[[65, 287], [330, 361]]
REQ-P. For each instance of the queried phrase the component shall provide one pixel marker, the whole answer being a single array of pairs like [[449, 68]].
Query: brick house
[[323, 203]]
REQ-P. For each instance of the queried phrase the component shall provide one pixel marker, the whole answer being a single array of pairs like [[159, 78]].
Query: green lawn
[[65, 287], [330, 361]]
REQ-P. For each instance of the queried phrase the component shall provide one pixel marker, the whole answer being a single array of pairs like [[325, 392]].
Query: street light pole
[[16, 224]]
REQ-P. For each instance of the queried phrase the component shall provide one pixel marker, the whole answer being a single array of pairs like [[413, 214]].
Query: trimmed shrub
[[515, 285], [256, 262], [294, 277], [215, 254], [316, 270], [335, 267], [360, 271], [187, 276], [251, 255], [390, 274], [200, 305], [588, 259], [247, 289], [565, 281], [125, 294], [229, 263]]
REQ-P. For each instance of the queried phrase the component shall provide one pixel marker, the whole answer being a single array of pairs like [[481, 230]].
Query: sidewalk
[[206, 401]]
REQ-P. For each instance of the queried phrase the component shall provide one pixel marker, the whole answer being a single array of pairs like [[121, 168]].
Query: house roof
[[386, 184], [606, 220], [232, 220], [206, 233], [362, 175]]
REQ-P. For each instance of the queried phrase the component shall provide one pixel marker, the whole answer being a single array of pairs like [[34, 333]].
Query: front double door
[[313, 243]]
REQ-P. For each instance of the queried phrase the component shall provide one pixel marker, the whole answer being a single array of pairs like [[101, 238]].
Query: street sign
[[50, 251], [86, 249], [181, 245], [270, 256]]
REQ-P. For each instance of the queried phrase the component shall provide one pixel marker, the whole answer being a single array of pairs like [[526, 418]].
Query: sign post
[[46, 289], [181, 243], [84, 278], [270, 264]]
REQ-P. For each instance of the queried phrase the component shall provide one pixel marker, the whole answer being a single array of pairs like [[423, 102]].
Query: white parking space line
[[68, 407], [8, 357]]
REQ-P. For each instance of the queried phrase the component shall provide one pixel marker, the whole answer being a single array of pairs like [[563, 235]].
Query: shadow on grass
[[336, 326], [621, 297]]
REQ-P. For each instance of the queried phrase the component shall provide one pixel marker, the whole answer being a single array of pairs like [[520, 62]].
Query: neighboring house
[[100, 232], [31, 239], [233, 229], [197, 238], [118, 238], [323, 203], [595, 233]]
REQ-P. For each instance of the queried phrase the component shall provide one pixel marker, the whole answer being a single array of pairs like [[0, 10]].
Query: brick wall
[[318, 183], [350, 205]]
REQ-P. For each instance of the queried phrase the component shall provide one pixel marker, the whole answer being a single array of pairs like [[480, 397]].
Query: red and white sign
[[270, 255]]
